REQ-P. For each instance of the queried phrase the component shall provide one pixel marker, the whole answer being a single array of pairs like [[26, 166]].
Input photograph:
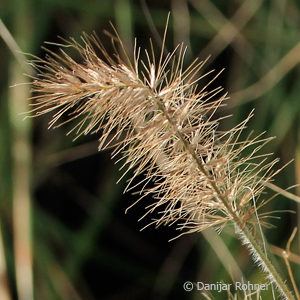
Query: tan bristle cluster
[[164, 124]]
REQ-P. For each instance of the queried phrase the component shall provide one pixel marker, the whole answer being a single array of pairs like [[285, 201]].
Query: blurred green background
[[64, 234]]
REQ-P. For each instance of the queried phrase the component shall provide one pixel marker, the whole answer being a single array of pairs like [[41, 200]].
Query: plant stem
[[21, 156], [263, 261]]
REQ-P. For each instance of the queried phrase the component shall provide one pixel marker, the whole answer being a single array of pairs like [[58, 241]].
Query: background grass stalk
[[21, 153]]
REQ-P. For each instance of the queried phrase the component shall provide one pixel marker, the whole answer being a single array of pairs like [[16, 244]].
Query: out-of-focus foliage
[[62, 215]]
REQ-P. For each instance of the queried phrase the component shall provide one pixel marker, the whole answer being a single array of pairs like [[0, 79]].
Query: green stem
[[261, 258]]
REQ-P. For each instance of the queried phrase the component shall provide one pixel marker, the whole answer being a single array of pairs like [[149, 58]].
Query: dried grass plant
[[163, 122]]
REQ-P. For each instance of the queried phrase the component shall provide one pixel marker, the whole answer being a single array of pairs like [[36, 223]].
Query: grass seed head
[[164, 124]]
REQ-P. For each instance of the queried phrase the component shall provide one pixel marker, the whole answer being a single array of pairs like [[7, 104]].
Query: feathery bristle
[[165, 126]]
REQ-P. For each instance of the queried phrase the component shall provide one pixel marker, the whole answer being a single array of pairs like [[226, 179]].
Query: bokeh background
[[63, 230]]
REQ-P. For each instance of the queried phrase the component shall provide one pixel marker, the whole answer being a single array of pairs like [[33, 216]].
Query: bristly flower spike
[[165, 126]]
